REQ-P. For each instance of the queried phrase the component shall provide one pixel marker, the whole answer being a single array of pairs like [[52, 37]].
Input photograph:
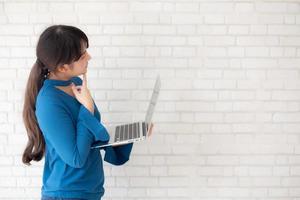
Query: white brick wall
[[227, 121]]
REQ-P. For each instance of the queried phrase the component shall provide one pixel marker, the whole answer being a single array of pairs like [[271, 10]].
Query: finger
[[149, 126], [150, 133], [84, 79], [77, 87], [74, 89], [150, 130]]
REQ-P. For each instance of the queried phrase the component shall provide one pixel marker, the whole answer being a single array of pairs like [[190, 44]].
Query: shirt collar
[[56, 82]]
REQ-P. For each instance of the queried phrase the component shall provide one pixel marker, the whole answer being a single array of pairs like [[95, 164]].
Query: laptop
[[132, 132]]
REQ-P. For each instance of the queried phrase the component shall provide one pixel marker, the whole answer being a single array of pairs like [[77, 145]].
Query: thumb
[[84, 81], [74, 89]]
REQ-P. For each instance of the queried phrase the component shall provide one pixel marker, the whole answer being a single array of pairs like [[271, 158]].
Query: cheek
[[77, 66], [80, 63]]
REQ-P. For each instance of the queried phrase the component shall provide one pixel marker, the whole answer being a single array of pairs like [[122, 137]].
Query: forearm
[[118, 155]]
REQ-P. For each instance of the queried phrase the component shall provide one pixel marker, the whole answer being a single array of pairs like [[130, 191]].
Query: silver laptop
[[132, 132]]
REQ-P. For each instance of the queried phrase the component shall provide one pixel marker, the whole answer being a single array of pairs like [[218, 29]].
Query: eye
[[83, 55]]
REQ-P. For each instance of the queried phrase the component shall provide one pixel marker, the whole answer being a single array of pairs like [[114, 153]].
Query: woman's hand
[[150, 130], [83, 95]]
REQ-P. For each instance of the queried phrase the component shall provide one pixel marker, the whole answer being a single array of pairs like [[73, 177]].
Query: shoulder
[[47, 98], [49, 107]]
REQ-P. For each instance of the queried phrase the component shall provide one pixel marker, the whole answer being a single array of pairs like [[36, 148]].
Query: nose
[[89, 56]]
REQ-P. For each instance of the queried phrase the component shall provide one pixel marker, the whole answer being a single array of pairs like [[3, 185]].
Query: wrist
[[90, 108]]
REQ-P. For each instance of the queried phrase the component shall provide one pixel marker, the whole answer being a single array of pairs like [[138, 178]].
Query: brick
[[63, 7], [13, 7], [222, 160], [260, 171], [146, 18], [290, 181], [15, 29], [156, 192], [271, 7], [64, 18], [141, 181], [90, 7], [195, 41], [216, 7], [213, 52], [281, 171], [257, 51], [215, 29], [236, 52], [259, 63], [225, 84], [214, 19], [167, 40], [136, 171], [179, 192], [133, 29], [241, 18], [186, 19], [219, 40], [184, 52], [266, 181], [208, 117], [244, 7], [223, 181], [283, 29], [88, 19], [136, 192], [194, 106], [159, 29], [145, 7], [238, 29], [173, 181], [187, 7], [116, 19]]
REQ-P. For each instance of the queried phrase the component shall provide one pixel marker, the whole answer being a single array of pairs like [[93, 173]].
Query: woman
[[62, 120]]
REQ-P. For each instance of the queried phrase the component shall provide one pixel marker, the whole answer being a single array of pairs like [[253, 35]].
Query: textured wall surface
[[227, 121]]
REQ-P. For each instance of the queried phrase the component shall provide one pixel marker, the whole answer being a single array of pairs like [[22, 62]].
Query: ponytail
[[36, 145]]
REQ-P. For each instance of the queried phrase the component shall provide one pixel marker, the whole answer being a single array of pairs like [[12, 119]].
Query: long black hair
[[57, 45]]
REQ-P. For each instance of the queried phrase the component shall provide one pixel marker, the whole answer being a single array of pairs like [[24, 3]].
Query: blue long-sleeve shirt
[[72, 169]]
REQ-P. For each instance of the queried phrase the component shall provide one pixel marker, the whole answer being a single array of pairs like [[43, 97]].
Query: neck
[[58, 77]]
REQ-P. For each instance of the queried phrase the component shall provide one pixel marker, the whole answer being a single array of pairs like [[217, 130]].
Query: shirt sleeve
[[118, 155], [69, 137], [87, 119], [92, 121]]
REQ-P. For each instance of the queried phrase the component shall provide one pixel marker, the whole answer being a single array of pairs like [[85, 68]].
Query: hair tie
[[45, 70], [46, 73]]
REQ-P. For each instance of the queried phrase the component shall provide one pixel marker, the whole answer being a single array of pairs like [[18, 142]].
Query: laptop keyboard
[[129, 131]]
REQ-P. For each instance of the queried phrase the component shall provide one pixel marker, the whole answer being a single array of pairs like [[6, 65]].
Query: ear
[[63, 68]]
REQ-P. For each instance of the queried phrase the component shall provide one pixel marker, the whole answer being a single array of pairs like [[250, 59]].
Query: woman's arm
[[118, 155], [70, 138]]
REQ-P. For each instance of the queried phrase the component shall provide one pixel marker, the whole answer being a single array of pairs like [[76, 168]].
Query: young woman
[[62, 120]]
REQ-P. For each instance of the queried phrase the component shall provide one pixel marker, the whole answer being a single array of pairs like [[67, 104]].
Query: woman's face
[[80, 66]]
